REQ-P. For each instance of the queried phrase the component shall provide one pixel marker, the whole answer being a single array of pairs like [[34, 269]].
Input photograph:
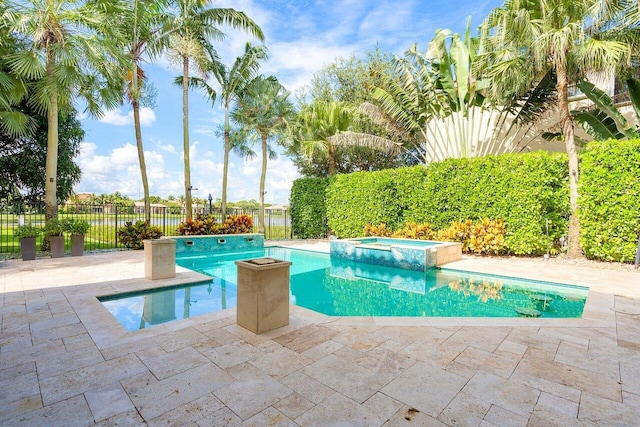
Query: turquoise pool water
[[345, 288]]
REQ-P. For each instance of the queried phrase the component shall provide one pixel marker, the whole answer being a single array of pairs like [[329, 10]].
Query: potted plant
[[27, 234], [53, 238], [77, 228]]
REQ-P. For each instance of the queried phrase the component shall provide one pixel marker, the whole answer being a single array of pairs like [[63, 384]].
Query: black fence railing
[[106, 219]]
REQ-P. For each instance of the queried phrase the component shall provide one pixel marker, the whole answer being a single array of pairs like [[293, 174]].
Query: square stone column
[[263, 294], [159, 259]]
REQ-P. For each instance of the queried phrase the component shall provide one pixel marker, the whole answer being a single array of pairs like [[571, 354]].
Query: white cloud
[[167, 148], [120, 118]]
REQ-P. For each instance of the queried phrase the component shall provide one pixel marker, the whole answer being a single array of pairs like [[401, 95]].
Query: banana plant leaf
[[598, 124], [605, 104]]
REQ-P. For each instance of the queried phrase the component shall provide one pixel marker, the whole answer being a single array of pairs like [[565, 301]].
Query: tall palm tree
[[325, 126], [231, 81], [144, 29], [263, 111], [72, 52], [524, 40], [196, 26]]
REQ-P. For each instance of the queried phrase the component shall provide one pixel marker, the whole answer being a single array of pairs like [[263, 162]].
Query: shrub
[[53, 227], [609, 211], [487, 237], [377, 230], [414, 230], [200, 225], [75, 226], [482, 237], [26, 231], [238, 224], [524, 190], [308, 209], [361, 198], [458, 231], [132, 235]]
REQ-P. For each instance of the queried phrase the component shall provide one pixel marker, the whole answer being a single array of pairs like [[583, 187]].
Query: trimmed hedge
[[522, 189], [609, 200], [308, 212], [359, 198]]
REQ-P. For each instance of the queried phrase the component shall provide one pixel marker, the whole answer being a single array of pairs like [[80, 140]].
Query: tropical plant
[[406, 98], [200, 225], [26, 231], [132, 235], [75, 226], [606, 121], [439, 103], [22, 163], [196, 27], [53, 227], [325, 126], [231, 81], [69, 52], [262, 112], [238, 224], [524, 41], [13, 85], [144, 28]]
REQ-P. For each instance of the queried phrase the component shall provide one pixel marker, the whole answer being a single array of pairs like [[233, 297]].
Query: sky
[[302, 37]]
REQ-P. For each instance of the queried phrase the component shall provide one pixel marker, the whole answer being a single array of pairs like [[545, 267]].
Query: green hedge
[[308, 212], [359, 198], [609, 200], [523, 189]]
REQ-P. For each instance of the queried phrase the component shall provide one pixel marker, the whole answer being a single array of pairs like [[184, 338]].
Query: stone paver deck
[[65, 361]]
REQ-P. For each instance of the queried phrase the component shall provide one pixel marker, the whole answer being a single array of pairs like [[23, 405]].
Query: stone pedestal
[[263, 294], [159, 259]]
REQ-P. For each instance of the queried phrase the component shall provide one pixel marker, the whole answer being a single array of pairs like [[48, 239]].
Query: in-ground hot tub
[[409, 254]]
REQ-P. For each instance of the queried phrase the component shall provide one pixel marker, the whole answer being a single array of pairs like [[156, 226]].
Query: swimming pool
[[344, 288]]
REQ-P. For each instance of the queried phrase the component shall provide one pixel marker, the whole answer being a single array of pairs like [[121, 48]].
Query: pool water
[[345, 288]]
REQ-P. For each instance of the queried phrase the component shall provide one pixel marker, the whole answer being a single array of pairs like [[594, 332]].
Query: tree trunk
[[263, 176], [51, 171], [225, 170], [574, 250], [331, 153], [143, 167], [185, 135]]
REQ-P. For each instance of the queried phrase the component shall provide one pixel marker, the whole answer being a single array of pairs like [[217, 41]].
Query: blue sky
[[302, 37]]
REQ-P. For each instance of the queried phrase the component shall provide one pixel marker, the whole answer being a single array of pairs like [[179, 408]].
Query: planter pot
[[57, 246], [28, 248], [77, 244]]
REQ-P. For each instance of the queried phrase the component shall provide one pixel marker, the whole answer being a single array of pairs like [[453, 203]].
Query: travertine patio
[[65, 361]]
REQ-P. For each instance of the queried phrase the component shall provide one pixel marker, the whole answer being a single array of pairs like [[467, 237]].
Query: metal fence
[[106, 219]]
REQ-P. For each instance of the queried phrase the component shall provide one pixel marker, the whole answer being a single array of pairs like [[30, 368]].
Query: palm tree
[[406, 98], [72, 52], [263, 111], [325, 126], [231, 81], [196, 26], [143, 28], [13, 88], [524, 40]]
